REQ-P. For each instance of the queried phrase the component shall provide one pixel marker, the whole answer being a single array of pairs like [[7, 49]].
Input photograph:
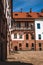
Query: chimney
[[30, 10], [42, 10], [21, 10]]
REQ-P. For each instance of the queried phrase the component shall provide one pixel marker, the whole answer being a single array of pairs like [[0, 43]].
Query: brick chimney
[[30, 10], [21, 10], [42, 10]]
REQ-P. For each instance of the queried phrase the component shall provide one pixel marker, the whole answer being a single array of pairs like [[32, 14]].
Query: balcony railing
[[22, 28]]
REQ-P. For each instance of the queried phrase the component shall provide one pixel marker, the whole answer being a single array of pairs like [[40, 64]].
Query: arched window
[[20, 44], [20, 36], [39, 44], [26, 36], [26, 44], [32, 44]]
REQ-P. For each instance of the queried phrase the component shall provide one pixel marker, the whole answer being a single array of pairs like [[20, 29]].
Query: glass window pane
[[26, 36], [39, 44], [26, 44], [15, 36], [20, 44], [39, 36], [38, 26], [32, 44], [20, 36]]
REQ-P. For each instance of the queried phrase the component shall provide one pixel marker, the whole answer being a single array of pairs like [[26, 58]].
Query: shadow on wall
[[14, 63]]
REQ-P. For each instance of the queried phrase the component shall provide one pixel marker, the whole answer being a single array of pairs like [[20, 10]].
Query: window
[[26, 24], [29, 15], [39, 44], [26, 36], [16, 14], [26, 44], [32, 44], [38, 25], [15, 36], [20, 45], [20, 36], [18, 24], [40, 49], [39, 36]]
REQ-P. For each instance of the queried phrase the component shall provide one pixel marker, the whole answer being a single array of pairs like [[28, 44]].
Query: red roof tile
[[27, 15]]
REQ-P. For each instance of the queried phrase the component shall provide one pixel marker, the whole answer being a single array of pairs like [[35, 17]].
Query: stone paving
[[34, 57]]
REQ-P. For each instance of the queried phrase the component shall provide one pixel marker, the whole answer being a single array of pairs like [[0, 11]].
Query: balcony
[[22, 28]]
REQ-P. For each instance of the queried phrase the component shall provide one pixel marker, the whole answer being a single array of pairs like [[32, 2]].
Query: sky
[[36, 5]]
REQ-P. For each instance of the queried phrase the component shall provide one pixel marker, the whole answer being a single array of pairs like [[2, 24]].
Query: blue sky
[[36, 5]]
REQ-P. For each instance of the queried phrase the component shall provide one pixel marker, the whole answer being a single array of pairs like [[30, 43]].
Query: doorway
[[15, 48]]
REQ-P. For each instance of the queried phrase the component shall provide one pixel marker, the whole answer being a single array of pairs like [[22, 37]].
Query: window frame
[[20, 45], [32, 45], [20, 36], [27, 45], [16, 36], [39, 36], [38, 25], [27, 37], [40, 45]]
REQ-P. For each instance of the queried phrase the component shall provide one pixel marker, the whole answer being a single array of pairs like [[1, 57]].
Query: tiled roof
[[27, 15]]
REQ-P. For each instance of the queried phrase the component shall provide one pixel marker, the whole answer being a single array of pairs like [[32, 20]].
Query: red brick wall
[[37, 44], [23, 42]]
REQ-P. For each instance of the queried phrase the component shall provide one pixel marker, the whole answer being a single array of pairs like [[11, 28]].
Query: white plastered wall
[[39, 31], [12, 37]]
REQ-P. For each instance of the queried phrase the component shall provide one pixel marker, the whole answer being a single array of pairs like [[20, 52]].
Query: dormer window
[[39, 15], [16, 14], [28, 15]]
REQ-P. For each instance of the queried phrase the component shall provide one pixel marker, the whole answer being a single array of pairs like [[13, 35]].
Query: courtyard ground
[[34, 57]]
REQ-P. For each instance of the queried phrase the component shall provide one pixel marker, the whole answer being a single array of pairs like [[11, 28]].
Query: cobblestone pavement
[[34, 57]]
